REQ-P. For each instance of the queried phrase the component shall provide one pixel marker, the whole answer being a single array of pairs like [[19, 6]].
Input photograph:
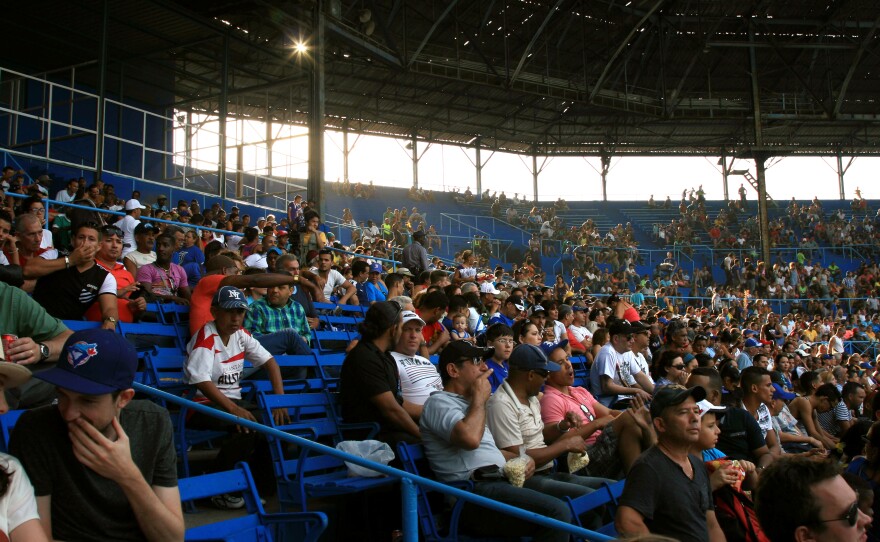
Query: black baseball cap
[[669, 396]]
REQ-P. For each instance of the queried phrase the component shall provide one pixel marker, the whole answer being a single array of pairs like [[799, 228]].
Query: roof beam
[[863, 46], [430, 33], [599, 82], [534, 39]]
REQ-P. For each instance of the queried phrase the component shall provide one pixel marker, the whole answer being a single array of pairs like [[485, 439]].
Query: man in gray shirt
[[415, 257], [460, 447]]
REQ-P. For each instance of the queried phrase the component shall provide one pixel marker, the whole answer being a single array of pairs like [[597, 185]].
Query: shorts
[[604, 460]]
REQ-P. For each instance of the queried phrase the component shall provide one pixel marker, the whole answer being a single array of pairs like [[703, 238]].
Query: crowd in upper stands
[[507, 379]]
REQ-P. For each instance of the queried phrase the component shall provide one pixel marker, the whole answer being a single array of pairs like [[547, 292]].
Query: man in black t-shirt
[[68, 293], [369, 387], [667, 490], [102, 465]]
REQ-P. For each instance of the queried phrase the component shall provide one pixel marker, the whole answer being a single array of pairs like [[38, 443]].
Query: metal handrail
[[408, 480]]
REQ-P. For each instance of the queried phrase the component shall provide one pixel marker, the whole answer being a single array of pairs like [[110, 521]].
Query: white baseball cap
[[705, 406], [133, 204], [409, 316], [488, 288]]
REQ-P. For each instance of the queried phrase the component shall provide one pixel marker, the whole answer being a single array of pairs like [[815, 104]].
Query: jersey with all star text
[[209, 360]]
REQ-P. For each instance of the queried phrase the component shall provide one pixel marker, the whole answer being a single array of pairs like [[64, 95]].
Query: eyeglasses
[[399, 310], [680, 366], [852, 515], [473, 361], [504, 341], [112, 230]]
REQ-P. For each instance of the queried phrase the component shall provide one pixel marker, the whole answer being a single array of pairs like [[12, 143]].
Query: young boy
[[499, 337], [459, 331]]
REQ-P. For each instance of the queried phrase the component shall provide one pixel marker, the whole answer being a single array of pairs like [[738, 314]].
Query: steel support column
[[840, 172], [762, 209], [316, 110], [223, 113], [345, 151], [102, 91], [535, 173], [414, 144], [606, 166], [479, 167], [724, 174]]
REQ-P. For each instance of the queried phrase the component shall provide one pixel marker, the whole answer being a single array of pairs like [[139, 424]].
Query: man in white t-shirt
[[214, 365], [418, 376], [68, 194], [128, 223], [608, 383], [577, 327], [636, 369], [336, 288]]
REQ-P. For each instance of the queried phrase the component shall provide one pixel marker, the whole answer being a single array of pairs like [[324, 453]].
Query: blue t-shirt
[[712, 454], [376, 292], [500, 318], [363, 296], [499, 373]]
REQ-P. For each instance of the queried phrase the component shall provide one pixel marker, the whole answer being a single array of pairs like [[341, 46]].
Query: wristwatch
[[110, 319], [44, 351]]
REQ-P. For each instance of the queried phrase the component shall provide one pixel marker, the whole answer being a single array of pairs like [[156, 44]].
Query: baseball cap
[[275, 250], [620, 327], [751, 343], [749, 332], [93, 362], [409, 316], [673, 395], [538, 308], [517, 302], [529, 357], [458, 350], [133, 204], [405, 272], [705, 406], [376, 268], [144, 227], [548, 347], [780, 393], [229, 297], [488, 288]]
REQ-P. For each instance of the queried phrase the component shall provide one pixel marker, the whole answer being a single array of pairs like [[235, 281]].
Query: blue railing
[[408, 481]]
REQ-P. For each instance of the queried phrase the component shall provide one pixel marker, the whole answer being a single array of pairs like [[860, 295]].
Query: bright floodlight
[[300, 47]]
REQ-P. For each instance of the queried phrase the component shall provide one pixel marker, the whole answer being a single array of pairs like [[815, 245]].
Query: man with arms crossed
[[107, 460]]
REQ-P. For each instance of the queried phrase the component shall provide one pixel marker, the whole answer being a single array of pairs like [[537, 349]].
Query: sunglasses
[[473, 361], [680, 366], [852, 515], [112, 230], [541, 372]]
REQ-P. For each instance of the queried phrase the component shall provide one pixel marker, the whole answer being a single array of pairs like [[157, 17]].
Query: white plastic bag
[[515, 469], [373, 450]]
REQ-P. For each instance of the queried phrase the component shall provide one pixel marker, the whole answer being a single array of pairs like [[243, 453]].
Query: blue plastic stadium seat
[[7, 422], [310, 474], [256, 525]]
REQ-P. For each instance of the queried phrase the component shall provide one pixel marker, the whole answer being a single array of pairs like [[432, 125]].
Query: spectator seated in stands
[[376, 289], [430, 308], [129, 222], [418, 376], [129, 308], [614, 439], [35, 258], [608, 383], [513, 414], [191, 258], [370, 381], [667, 491], [215, 366], [8, 242], [164, 279], [279, 322], [143, 254], [334, 286], [459, 446], [102, 464], [69, 292]]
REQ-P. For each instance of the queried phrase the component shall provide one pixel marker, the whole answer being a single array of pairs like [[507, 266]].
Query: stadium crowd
[[726, 420]]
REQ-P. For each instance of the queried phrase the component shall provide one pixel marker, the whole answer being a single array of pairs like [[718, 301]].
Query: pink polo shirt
[[554, 405]]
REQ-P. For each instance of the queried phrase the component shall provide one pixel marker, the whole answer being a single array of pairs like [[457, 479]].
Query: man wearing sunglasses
[[107, 258], [514, 417], [801, 498]]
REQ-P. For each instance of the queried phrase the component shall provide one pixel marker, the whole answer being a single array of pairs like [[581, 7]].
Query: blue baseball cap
[[93, 362], [548, 347], [229, 297], [376, 268], [530, 357], [751, 343]]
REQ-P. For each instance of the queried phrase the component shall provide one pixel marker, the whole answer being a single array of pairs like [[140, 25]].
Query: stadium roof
[[560, 76]]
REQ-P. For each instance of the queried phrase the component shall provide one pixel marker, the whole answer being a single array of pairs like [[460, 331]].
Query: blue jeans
[[284, 342]]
